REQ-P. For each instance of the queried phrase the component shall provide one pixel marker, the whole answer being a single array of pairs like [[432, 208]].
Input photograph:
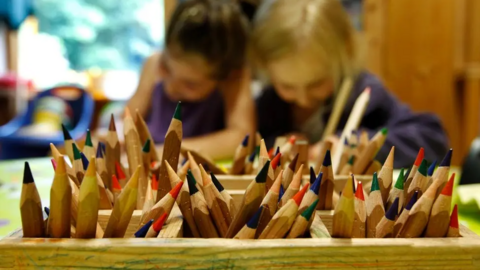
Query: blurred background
[[427, 52]]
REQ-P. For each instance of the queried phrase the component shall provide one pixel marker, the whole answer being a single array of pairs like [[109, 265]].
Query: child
[[203, 66], [307, 49]]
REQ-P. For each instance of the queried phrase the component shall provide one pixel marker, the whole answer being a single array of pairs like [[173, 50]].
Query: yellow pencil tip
[[92, 169], [348, 188], [60, 165], [133, 182]]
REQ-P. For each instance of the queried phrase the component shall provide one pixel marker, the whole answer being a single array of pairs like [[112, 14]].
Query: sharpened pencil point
[[66, 134], [216, 182], [277, 151], [407, 173], [393, 210], [423, 168], [84, 161], [251, 158], [253, 222], [99, 151], [312, 175], [400, 180], [280, 193], [54, 164], [146, 146], [412, 201], [292, 139], [120, 173], [375, 185], [76, 152], [359, 192], [144, 229], [88, 140], [327, 161], [447, 159], [384, 131], [345, 142], [245, 140], [316, 184], [128, 114], [91, 169], [351, 160], [448, 188], [262, 175], [112, 127], [47, 211], [420, 155], [299, 196], [178, 112], [115, 183], [158, 224], [293, 163], [191, 184], [154, 182], [307, 214], [431, 168], [454, 217]]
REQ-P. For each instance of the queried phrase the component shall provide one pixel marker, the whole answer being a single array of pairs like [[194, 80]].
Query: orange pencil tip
[[158, 224], [359, 192], [176, 189], [154, 182], [276, 160], [292, 139], [115, 183], [270, 153], [421, 154], [448, 188], [120, 173], [299, 196], [153, 164]]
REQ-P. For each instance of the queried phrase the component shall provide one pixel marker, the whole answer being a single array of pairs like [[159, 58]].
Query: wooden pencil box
[[188, 253]]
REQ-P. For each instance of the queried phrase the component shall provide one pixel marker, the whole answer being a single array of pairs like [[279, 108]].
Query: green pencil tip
[[76, 152], [178, 112], [88, 140], [189, 173], [307, 214], [400, 180], [384, 131], [375, 185], [351, 160], [146, 146], [423, 168]]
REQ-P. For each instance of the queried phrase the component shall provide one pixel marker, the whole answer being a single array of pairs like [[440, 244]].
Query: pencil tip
[[144, 229], [191, 183], [280, 193], [112, 127], [327, 161], [447, 159], [351, 160], [253, 222], [393, 210], [307, 214], [115, 183], [277, 151], [345, 141], [91, 169], [88, 140], [412, 201], [312, 175], [54, 164], [277, 183], [407, 173], [454, 217], [76, 152], [423, 168], [292, 139], [251, 158], [375, 185], [99, 151], [154, 182], [120, 173], [299, 196], [448, 188], [127, 113], [262, 175], [420, 155], [400, 180], [66, 134], [316, 184], [176, 189], [27, 174], [359, 192], [178, 112], [384, 131], [47, 211], [84, 161], [217, 183], [146, 146], [245, 140], [348, 188], [158, 224], [293, 163], [431, 168]]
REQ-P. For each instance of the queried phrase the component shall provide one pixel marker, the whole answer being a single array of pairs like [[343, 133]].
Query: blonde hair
[[283, 27]]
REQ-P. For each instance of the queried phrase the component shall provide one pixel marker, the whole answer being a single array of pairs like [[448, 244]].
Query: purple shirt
[[198, 118], [407, 131]]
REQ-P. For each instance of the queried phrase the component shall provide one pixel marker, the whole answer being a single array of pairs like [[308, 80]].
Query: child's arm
[[148, 77], [239, 119]]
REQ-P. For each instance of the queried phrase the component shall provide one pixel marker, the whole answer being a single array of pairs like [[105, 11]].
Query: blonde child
[[202, 65], [306, 48]]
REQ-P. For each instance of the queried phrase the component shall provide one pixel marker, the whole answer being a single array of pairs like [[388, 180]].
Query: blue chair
[[14, 145]]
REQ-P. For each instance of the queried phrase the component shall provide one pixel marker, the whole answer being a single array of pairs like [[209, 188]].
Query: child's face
[[187, 78], [301, 80]]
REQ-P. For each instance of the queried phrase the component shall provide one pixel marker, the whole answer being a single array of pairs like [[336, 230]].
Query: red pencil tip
[[299, 196], [448, 188], [158, 224], [276, 160], [120, 173], [153, 164], [270, 153], [115, 183], [154, 182], [175, 190], [359, 192], [454, 217], [54, 164], [292, 139], [421, 154]]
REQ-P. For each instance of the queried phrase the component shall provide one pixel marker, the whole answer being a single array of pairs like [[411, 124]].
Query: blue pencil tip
[[47, 211], [253, 222], [280, 194], [99, 151], [144, 229], [184, 161], [277, 151], [84, 161], [245, 140], [447, 159], [345, 142], [431, 168], [412, 201], [312, 176], [393, 210], [327, 161], [251, 158], [315, 187]]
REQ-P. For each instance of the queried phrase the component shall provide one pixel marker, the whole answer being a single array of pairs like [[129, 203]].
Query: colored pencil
[[85, 161], [144, 134], [156, 226], [302, 150], [384, 228], [269, 204], [311, 195], [122, 179], [226, 196], [249, 163], [345, 154], [413, 171], [146, 156], [102, 169], [88, 204], [283, 219], [419, 181], [112, 153], [301, 223], [286, 150], [182, 172], [165, 205], [248, 231], [347, 169], [195, 170], [289, 172], [293, 187], [263, 156], [344, 213], [277, 163], [216, 205], [363, 141], [440, 215], [197, 183], [453, 230], [123, 208], [251, 201], [397, 192], [149, 199], [325, 195], [419, 214], [271, 176], [385, 176], [341, 98], [360, 218], [201, 214], [241, 153], [370, 151], [430, 172], [78, 164], [70, 171], [88, 149], [441, 174], [312, 175], [116, 188], [54, 164], [374, 205], [31, 206], [154, 185], [142, 232], [69, 142], [60, 203], [106, 197], [404, 215], [134, 154]]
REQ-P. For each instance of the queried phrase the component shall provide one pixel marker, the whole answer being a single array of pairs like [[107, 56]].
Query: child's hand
[[318, 148]]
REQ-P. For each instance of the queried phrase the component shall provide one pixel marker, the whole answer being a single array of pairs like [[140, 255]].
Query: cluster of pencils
[[418, 204]]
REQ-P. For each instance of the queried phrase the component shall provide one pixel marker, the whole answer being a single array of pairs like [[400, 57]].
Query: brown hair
[[213, 29]]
